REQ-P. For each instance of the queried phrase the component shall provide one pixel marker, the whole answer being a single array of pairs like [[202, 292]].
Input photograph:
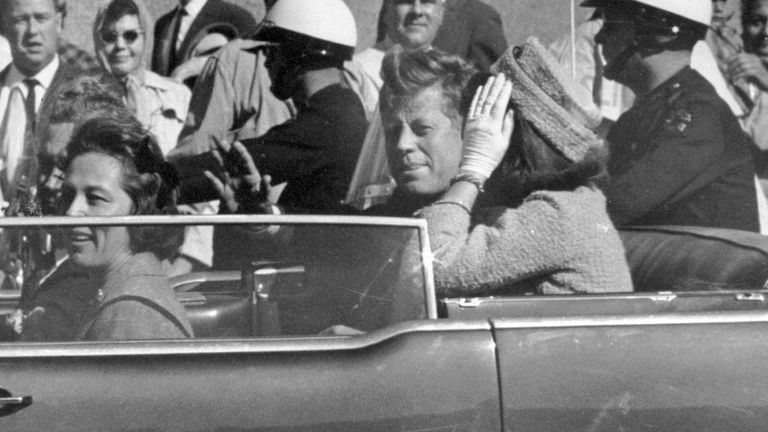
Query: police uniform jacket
[[679, 157]]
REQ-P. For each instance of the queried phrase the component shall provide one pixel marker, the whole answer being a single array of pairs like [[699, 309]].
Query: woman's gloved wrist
[[470, 177], [481, 154]]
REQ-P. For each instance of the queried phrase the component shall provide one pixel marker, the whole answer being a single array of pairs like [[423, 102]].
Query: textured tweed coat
[[553, 243]]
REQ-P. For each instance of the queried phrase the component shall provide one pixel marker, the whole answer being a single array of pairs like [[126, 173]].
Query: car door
[[404, 371], [415, 376], [675, 364]]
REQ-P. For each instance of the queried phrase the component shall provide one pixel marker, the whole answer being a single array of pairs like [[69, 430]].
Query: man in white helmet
[[316, 151], [678, 156]]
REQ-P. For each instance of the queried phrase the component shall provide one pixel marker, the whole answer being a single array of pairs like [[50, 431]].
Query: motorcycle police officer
[[678, 156]]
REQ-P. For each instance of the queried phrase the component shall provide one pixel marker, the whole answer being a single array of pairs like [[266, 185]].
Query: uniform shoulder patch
[[678, 119]]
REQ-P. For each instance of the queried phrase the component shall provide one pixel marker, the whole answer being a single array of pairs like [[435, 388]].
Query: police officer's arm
[[682, 151], [290, 150], [294, 149]]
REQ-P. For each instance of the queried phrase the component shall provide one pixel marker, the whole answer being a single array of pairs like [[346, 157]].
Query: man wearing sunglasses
[[679, 155], [32, 28]]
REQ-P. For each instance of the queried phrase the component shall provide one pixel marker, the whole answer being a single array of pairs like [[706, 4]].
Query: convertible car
[[333, 324]]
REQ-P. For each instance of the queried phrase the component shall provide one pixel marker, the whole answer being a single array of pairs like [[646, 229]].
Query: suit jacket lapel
[[63, 73], [201, 20], [4, 74], [163, 40]]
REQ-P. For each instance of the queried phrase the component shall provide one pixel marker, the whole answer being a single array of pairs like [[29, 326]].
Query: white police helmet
[[324, 27], [696, 11]]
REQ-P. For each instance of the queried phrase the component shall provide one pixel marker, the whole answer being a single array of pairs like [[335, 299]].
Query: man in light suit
[[179, 29], [32, 28]]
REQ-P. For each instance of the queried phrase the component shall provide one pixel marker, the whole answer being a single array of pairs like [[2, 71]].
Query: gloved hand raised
[[488, 128]]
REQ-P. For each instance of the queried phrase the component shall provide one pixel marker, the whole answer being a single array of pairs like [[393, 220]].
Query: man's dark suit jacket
[[473, 30], [214, 12], [64, 73]]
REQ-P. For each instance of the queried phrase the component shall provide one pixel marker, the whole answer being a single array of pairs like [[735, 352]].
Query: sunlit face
[[722, 11], [755, 22], [32, 28], [423, 144], [414, 23], [123, 44], [93, 187]]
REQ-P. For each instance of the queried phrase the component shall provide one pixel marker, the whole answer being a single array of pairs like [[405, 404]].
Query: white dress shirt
[[192, 9], [15, 78], [13, 93], [5, 53]]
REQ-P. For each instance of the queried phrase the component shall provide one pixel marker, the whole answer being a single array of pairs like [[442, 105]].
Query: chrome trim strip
[[286, 219], [236, 346], [680, 318], [656, 296], [429, 276]]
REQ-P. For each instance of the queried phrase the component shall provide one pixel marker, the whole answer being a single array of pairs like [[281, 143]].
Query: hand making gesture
[[488, 127], [242, 189]]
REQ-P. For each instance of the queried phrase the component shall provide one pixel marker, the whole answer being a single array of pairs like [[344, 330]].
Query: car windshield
[[271, 276]]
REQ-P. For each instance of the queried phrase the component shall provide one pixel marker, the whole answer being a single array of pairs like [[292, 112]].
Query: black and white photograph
[[383, 215]]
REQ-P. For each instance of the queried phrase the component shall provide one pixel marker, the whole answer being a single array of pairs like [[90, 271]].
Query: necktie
[[17, 131], [29, 103], [26, 165], [176, 42]]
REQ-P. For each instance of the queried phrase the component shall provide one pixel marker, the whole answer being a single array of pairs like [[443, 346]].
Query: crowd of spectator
[[439, 120]]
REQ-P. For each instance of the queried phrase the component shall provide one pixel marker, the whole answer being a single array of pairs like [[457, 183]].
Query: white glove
[[488, 127]]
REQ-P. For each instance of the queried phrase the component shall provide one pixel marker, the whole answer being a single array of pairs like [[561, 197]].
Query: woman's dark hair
[[148, 179], [118, 9], [532, 164], [86, 95], [407, 72]]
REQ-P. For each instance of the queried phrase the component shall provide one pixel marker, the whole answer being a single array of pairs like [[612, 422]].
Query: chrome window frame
[[234, 345]]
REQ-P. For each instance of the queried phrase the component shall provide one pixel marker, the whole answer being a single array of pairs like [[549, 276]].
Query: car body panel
[[647, 361], [680, 372], [392, 379]]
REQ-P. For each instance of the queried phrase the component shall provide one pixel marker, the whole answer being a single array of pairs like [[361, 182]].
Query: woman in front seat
[[112, 285]]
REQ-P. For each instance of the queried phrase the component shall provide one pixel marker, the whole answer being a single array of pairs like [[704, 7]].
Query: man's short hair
[[5, 6], [59, 5], [407, 72]]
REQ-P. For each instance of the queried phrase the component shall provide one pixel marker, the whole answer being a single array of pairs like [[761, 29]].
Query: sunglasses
[[129, 36]]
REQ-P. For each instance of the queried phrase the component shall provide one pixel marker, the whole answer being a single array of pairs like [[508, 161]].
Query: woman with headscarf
[[123, 40], [122, 36]]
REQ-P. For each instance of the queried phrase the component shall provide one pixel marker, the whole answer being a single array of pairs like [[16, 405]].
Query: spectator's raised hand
[[488, 127], [748, 67], [242, 189]]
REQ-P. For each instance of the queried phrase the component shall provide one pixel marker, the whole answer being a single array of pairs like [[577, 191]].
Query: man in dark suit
[[28, 85], [177, 30]]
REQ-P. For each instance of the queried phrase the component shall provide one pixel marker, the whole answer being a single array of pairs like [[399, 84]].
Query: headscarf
[[133, 82], [147, 26]]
